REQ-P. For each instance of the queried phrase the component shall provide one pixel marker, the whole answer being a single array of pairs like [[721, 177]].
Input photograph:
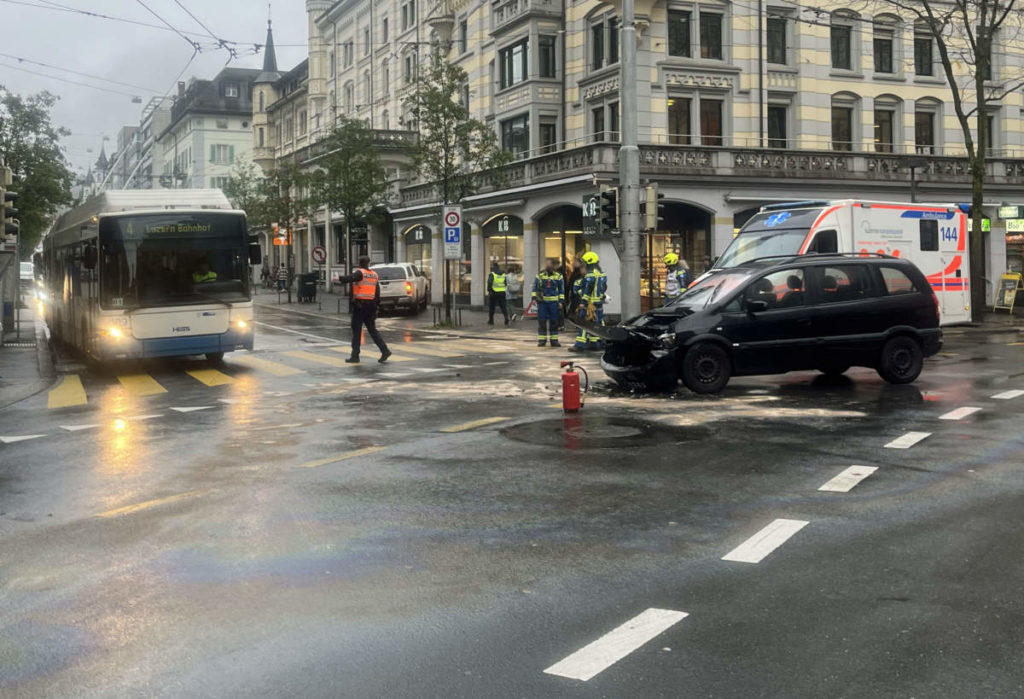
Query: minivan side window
[[783, 289], [825, 242], [896, 282], [841, 283]]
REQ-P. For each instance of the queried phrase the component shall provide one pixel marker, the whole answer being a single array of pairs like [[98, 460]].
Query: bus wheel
[[215, 357]]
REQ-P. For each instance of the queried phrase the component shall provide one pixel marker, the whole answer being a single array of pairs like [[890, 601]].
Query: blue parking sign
[[452, 235]]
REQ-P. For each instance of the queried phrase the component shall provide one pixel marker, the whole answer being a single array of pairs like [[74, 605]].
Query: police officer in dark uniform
[[365, 298]]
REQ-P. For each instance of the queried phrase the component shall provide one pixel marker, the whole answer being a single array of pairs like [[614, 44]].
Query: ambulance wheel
[[706, 368], [901, 360], [215, 357]]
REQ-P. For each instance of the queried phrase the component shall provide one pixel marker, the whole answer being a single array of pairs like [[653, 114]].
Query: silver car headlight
[[667, 341]]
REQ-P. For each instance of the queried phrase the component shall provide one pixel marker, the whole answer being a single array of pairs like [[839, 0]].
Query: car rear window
[[390, 273], [897, 282], [844, 283]]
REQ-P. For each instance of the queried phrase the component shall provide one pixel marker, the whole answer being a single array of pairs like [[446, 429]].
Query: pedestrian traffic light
[[610, 210], [651, 208], [11, 225]]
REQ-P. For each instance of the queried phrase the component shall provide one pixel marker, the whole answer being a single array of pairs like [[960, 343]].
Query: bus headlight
[[114, 333], [241, 325]]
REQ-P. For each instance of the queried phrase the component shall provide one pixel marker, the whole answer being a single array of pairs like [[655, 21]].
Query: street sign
[[452, 216], [319, 254], [1015, 225], [591, 214], [1011, 212]]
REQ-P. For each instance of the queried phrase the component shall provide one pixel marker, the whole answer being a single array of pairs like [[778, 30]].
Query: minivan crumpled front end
[[642, 355]]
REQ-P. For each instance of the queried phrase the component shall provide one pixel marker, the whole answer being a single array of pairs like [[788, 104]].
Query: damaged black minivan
[[773, 315]]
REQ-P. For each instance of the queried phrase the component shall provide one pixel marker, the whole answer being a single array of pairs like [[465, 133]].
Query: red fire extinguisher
[[572, 397]]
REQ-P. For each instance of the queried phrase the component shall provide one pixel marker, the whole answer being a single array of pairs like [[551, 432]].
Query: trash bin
[[307, 287]]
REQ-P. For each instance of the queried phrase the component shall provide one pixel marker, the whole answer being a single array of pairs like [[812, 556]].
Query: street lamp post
[[629, 167]]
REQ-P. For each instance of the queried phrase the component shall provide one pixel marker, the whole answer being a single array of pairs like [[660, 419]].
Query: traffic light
[[651, 209], [610, 210], [11, 224]]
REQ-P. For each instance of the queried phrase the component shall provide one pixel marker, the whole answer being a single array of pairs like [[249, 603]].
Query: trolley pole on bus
[[629, 167]]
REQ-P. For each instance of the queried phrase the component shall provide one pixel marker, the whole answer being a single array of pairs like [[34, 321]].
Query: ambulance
[[932, 236]]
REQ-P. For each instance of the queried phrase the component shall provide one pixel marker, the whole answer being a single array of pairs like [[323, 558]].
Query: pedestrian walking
[[282, 278], [365, 299], [549, 294], [497, 285], [677, 276], [593, 288]]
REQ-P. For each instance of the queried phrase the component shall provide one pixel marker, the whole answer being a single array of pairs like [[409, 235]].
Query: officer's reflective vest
[[204, 277], [366, 288], [498, 282], [549, 287], [594, 286]]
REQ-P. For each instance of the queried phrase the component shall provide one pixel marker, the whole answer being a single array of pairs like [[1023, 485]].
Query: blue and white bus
[[150, 273]]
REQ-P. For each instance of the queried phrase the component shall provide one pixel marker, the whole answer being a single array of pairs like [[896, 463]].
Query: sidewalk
[[994, 322], [26, 366]]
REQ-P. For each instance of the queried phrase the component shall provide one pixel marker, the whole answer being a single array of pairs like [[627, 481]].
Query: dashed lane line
[[394, 374], [342, 457], [69, 393], [141, 384], [908, 440], [756, 548], [78, 428], [848, 479], [210, 377], [428, 351], [959, 413], [473, 425], [193, 409], [149, 504], [272, 368], [20, 438], [615, 645], [1008, 395]]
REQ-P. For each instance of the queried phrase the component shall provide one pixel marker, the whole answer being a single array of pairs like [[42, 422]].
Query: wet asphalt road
[[283, 525]]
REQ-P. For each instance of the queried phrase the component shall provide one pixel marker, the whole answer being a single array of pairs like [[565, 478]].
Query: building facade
[[738, 109]]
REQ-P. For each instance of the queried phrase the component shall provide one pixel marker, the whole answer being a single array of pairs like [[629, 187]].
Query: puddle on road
[[599, 432]]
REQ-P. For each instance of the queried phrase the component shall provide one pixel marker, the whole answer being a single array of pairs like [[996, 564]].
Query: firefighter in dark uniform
[[549, 293], [365, 298], [593, 288]]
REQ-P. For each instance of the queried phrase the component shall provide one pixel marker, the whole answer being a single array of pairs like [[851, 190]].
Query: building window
[[515, 134], [367, 89], [778, 136], [346, 53], [711, 36], [604, 40], [885, 121], [711, 133], [218, 182], [349, 98], [924, 129], [331, 69], [366, 41], [548, 136], [992, 135], [222, 123], [842, 127], [924, 62], [384, 30], [385, 74], [261, 102], [883, 41], [409, 70], [597, 121], [260, 137], [408, 14], [231, 90], [678, 33], [842, 46], [597, 43], [463, 36], [776, 30], [302, 123], [546, 63], [221, 155], [513, 64], [679, 121], [465, 95]]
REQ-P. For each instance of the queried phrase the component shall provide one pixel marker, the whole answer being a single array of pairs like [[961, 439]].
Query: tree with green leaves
[[284, 199], [30, 146], [243, 190], [966, 34], [453, 149], [350, 178]]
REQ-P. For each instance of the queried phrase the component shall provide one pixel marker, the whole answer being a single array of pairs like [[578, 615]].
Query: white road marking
[[394, 374], [331, 340], [78, 428], [908, 440], [1008, 395], [424, 370], [757, 547], [22, 438], [459, 366], [192, 410], [615, 645], [493, 363], [959, 413], [847, 479], [140, 418], [231, 401]]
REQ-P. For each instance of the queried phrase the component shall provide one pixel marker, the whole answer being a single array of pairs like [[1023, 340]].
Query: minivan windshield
[[712, 288]]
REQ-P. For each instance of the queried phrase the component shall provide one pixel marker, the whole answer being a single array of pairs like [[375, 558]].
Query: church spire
[[269, 55]]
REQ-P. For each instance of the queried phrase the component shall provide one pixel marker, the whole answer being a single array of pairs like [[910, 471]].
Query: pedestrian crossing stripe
[[273, 368], [69, 393], [485, 347], [429, 351], [318, 359], [392, 358], [141, 384], [210, 377]]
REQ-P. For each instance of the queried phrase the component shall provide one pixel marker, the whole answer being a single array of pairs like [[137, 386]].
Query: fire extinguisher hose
[[586, 384]]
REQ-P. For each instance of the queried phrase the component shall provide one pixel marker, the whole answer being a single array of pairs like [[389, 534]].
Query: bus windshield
[[172, 259]]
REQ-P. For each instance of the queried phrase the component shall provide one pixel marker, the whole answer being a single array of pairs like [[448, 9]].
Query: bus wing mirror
[[90, 257], [255, 254]]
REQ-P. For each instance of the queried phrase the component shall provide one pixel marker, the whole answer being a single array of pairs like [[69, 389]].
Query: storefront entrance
[[561, 236], [503, 244], [417, 248], [685, 231]]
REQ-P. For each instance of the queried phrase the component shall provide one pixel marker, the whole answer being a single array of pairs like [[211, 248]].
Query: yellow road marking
[[319, 359], [141, 384], [210, 377], [428, 350], [129, 509], [392, 358], [476, 423], [274, 368], [70, 392], [342, 457]]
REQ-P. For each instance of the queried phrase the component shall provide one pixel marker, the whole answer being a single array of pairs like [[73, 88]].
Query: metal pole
[[760, 72], [629, 167]]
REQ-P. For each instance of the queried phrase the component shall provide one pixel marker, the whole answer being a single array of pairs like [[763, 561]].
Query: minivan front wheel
[[901, 360], [706, 368]]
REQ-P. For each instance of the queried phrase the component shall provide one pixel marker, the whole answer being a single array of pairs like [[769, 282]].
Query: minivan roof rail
[[795, 205]]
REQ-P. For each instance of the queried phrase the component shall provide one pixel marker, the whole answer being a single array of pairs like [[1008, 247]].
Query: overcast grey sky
[[141, 56]]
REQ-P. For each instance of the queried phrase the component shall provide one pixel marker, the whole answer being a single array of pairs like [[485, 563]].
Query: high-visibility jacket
[[498, 283], [549, 286], [676, 282], [594, 286], [204, 277], [366, 288]]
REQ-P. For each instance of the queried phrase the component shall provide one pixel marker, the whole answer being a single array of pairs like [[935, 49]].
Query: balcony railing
[[505, 11], [382, 139]]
